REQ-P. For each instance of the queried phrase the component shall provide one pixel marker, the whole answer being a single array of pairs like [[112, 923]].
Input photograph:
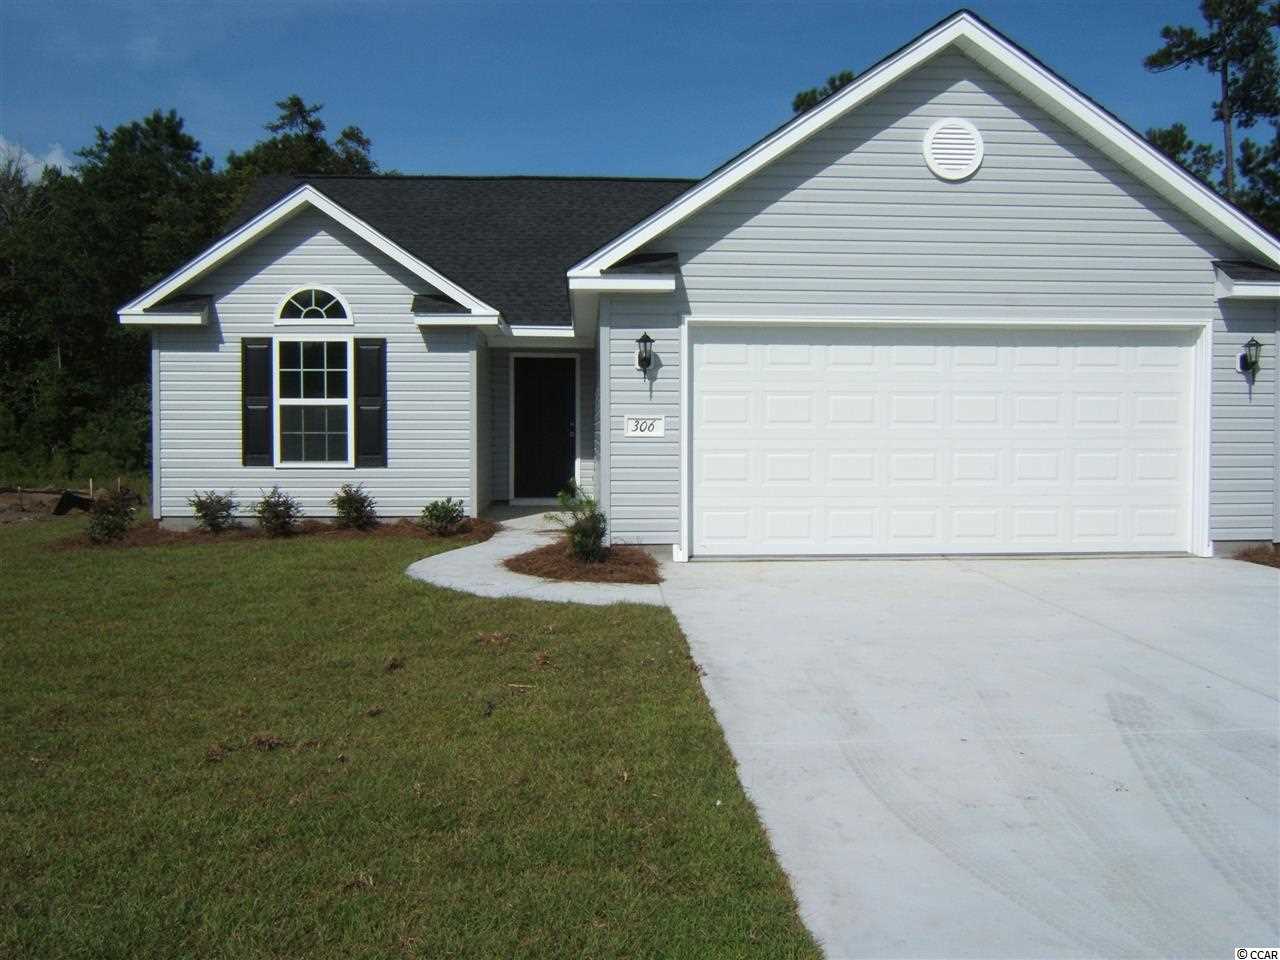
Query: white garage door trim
[[1200, 544]]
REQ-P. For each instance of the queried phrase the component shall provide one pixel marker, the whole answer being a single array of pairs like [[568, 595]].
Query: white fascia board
[[1227, 289], [165, 318], [529, 336], [301, 198], [486, 321], [653, 283], [528, 330], [1025, 75], [1116, 140], [933, 321]]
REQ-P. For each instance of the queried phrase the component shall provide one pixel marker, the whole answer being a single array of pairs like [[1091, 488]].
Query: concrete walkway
[[478, 569], [1005, 758]]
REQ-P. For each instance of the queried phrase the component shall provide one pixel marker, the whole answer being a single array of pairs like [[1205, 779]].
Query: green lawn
[[211, 751]]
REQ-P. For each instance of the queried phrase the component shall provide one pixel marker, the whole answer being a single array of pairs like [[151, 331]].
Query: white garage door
[[811, 440]]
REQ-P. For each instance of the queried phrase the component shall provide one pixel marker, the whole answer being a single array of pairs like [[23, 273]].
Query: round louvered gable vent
[[953, 148]]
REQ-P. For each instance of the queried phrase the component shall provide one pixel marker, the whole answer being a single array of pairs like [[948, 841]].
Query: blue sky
[[621, 88]]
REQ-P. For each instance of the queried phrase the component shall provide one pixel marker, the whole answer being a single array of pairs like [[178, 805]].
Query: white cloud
[[34, 164]]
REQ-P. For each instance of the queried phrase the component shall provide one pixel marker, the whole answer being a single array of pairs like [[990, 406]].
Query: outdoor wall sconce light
[[644, 352], [1249, 361]]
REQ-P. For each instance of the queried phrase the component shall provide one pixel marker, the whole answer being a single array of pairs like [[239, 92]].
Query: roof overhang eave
[[1226, 288], [197, 317]]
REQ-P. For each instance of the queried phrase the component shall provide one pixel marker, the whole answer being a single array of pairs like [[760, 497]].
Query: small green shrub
[[584, 523], [213, 511], [112, 515], [277, 512], [442, 517], [354, 507]]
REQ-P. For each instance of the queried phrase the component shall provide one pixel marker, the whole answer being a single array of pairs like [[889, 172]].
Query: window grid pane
[[313, 434], [313, 370], [313, 305]]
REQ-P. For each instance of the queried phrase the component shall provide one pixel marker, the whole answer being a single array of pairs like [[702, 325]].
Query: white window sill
[[316, 465]]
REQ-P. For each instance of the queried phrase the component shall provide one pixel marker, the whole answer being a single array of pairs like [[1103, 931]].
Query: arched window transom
[[313, 304]]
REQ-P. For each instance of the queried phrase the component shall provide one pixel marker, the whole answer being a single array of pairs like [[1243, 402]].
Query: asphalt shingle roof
[[507, 240]]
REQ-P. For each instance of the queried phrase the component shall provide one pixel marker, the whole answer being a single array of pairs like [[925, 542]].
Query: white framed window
[[313, 306], [315, 409]]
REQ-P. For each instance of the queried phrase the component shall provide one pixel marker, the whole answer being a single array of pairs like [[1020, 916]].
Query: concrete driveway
[[1006, 758]]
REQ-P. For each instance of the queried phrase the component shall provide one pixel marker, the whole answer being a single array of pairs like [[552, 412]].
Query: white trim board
[[348, 321], [1023, 73], [1225, 288], [657, 283], [157, 501], [1201, 391], [304, 197], [511, 424], [935, 321]]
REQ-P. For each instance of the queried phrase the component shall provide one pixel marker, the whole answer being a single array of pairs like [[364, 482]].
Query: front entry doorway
[[544, 425]]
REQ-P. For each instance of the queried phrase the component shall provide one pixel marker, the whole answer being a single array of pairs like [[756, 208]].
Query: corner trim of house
[[1275, 390], [605, 413], [157, 502], [1201, 441], [511, 423], [477, 345], [682, 548]]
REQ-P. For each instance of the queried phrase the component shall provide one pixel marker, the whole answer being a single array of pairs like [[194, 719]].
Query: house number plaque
[[633, 426]]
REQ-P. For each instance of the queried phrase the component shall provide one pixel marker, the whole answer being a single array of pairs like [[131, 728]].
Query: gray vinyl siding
[[644, 474], [499, 419], [429, 390], [852, 223], [1246, 429]]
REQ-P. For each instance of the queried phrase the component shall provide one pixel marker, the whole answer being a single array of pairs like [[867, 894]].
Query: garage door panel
[[811, 441]]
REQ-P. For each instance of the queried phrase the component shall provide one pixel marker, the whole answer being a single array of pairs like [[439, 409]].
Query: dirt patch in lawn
[[151, 534], [1267, 556], [18, 505], [556, 561]]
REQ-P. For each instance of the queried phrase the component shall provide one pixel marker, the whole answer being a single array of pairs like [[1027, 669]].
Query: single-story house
[[958, 307]]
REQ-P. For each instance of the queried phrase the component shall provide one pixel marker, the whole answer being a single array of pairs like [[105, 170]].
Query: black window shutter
[[371, 403], [255, 395]]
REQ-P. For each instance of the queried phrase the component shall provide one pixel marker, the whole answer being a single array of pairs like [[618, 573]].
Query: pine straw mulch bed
[[1267, 556], [151, 534], [556, 561]]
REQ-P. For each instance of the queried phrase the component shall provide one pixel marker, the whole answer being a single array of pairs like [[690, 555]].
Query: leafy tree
[[299, 145], [806, 100], [1239, 49], [1260, 172], [1201, 160], [142, 199]]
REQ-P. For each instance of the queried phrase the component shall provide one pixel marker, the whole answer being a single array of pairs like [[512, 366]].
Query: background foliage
[[75, 246]]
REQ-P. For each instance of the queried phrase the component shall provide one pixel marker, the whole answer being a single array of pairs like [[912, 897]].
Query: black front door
[[544, 423]]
